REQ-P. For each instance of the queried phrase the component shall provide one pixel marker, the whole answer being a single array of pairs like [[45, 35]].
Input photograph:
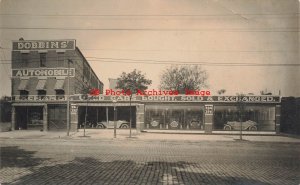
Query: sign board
[[74, 109], [46, 72], [163, 99], [25, 45], [208, 109]]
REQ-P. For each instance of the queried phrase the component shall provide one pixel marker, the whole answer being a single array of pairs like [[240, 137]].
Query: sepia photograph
[[149, 92]]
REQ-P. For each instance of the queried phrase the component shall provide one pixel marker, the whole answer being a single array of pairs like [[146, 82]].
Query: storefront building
[[205, 114], [213, 114], [44, 73]]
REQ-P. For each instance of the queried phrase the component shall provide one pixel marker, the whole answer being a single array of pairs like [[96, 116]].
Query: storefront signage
[[246, 99], [46, 72], [39, 98], [44, 45], [74, 109], [208, 109], [184, 98]]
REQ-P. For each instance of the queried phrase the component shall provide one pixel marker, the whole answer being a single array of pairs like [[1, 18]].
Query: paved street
[[141, 161]]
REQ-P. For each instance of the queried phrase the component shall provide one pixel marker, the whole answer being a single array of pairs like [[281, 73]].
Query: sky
[[244, 45]]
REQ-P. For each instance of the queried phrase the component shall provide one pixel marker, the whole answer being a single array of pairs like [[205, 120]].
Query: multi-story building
[[44, 73]]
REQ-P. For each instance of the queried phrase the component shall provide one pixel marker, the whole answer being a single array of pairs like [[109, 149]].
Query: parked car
[[194, 123], [110, 124], [246, 125]]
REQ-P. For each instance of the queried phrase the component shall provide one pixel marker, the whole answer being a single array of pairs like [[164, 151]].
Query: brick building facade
[[44, 73]]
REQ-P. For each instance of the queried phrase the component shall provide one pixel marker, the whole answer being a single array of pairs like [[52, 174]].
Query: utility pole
[[241, 108], [115, 120], [132, 86], [68, 99], [86, 110]]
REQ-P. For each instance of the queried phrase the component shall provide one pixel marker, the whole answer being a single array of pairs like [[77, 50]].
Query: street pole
[[87, 98], [115, 121], [241, 137], [240, 107], [68, 100], [130, 115]]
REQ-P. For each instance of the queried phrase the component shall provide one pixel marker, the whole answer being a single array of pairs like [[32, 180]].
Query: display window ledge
[[174, 131], [246, 132]]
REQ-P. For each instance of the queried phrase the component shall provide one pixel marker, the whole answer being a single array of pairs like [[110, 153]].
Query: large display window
[[174, 117], [253, 118], [30, 117]]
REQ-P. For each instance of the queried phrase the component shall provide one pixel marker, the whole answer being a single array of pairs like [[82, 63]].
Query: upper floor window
[[60, 92], [60, 59], [25, 59], [42, 59], [24, 93], [42, 93]]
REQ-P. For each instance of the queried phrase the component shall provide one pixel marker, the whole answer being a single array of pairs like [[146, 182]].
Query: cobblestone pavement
[[86, 161]]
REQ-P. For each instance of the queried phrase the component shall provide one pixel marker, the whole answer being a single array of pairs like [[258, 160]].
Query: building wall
[[52, 114], [84, 79], [290, 115]]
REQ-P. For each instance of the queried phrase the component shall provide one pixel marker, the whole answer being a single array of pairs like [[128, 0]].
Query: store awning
[[23, 84], [41, 85], [59, 85]]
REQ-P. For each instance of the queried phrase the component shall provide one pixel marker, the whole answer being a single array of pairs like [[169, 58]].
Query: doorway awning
[[59, 85], [41, 85], [23, 85]]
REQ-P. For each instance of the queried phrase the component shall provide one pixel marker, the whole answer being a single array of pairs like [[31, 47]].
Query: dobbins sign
[[44, 45]]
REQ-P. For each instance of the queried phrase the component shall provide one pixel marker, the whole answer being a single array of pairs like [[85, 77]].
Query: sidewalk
[[123, 134]]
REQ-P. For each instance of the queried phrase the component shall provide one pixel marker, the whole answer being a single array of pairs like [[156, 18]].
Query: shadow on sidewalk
[[13, 156], [91, 171]]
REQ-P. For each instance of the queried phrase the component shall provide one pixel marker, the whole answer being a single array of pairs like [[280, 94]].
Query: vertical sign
[[208, 109], [74, 109]]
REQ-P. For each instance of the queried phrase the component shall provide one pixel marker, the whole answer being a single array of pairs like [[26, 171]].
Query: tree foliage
[[133, 81], [182, 77]]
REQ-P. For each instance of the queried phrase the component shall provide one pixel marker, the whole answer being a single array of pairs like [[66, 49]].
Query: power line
[[169, 62], [181, 62], [184, 50], [150, 15], [292, 29]]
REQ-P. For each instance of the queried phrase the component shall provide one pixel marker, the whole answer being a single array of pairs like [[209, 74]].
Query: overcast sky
[[112, 34]]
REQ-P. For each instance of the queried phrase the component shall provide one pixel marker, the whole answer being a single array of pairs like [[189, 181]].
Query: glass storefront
[[253, 118], [97, 117], [174, 117], [30, 117]]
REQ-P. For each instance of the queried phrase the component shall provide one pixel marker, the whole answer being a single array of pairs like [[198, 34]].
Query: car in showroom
[[110, 124], [236, 125], [195, 124]]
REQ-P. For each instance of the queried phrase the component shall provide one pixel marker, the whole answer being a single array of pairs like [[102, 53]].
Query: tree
[[183, 77], [132, 82]]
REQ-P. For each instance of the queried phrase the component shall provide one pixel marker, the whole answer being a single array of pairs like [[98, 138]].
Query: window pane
[[253, 118], [42, 59], [174, 117]]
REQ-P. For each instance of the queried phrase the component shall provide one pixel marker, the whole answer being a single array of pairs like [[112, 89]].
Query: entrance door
[[57, 117], [30, 118]]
